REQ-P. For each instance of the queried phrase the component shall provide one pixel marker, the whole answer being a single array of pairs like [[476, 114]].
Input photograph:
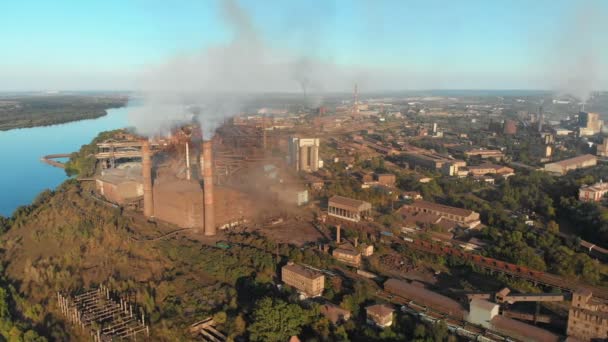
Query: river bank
[[23, 176]]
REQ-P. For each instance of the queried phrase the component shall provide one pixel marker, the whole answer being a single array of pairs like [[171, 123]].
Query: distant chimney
[[356, 242], [210, 228], [146, 167], [338, 234], [187, 160]]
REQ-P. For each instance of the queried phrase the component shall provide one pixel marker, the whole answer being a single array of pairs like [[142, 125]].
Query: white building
[[482, 311], [304, 154]]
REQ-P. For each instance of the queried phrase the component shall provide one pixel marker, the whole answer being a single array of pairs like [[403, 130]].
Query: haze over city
[[385, 45], [287, 171]]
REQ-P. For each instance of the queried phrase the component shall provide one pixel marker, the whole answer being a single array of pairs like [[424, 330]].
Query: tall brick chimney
[[146, 167], [210, 228]]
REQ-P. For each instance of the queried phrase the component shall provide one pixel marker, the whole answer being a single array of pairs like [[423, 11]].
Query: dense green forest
[[38, 110]]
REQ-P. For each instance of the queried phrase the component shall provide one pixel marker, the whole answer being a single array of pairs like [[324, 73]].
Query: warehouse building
[[347, 256], [308, 282], [462, 217], [562, 167], [348, 209]]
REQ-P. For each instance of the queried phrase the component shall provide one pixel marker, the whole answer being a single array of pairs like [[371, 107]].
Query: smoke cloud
[[580, 55], [219, 80]]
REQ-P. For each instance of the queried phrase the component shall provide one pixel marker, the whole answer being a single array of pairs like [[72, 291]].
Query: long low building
[[434, 162], [563, 166], [347, 256], [420, 295], [462, 217], [348, 209], [487, 168]]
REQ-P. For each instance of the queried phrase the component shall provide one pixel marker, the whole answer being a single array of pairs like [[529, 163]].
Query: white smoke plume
[[580, 57], [218, 80]]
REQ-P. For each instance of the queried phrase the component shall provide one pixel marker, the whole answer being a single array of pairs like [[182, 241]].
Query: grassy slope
[[70, 241]]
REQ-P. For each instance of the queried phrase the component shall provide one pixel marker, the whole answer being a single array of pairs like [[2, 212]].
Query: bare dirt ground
[[294, 232]]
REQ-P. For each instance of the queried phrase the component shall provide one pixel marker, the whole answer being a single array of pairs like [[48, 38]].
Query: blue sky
[[435, 44]]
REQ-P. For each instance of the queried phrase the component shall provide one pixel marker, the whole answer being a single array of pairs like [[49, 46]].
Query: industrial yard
[[335, 202]]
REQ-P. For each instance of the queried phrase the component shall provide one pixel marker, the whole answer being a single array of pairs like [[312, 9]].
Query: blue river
[[23, 175]]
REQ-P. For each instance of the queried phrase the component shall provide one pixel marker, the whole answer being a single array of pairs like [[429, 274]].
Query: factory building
[[587, 319], [462, 217], [488, 168], [521, 331], [482, 311], [347, 256], [180, 202], [419, 294], [589, 124], [434, 162], [121, 185], [484, 154], [308, 282], [380, 315], [171, 191], [563, 166], [348, 209], [465, 151], [602, 149], [304, 154], [593, 193]]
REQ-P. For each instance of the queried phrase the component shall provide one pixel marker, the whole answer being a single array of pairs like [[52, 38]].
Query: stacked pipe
[[338, 234], [210, 228], [146, 165]]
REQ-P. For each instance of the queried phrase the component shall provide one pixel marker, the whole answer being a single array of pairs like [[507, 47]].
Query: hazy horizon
[[324, 46]]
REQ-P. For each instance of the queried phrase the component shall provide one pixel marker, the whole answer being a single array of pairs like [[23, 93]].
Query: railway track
[[518, 271]]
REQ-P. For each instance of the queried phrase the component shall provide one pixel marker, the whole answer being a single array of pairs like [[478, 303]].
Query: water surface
[[23, 175]]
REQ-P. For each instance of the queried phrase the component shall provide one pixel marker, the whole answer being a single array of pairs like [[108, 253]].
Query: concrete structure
[[488, 168], [463, 217], [509, 127], [347, 256], [419, 294], [602, 149], [180, 202], [433, 162], [121, 185], [380, 315], [522, 331], [348, 209], [562, 167], [484, 154], [210, 228], [146, 167], [589, 123], [308, 282], [587, 319], [482, 311], [593, 193], [304, 154]]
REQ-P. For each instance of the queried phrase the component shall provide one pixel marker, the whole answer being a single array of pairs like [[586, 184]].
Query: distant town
[[473, 217]]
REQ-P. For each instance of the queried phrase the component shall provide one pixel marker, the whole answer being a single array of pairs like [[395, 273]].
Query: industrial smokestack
[[208, 188], [146, 166], [356, 242], [338, 234], [187, 160]]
